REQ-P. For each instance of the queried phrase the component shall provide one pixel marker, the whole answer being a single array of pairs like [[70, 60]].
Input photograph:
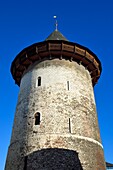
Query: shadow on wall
[[52, 159]]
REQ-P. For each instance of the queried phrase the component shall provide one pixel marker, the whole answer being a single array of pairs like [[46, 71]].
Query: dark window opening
[[39, 81], [69, 125], [37, 118], [25, 163], [68, 85]]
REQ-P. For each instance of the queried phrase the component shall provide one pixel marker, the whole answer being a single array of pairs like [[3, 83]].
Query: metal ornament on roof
[[56, 22], [56, 46]]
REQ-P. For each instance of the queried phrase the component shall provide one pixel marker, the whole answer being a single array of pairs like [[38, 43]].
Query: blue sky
[[89, 23]]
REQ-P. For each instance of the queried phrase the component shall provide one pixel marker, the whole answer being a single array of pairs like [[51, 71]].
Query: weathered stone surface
[[65, 101], [53, 158]]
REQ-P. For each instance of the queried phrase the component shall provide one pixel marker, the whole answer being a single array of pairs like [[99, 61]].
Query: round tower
[[55, 125]]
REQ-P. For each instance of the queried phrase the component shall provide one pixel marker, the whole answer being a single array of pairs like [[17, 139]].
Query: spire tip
[[56, 23]]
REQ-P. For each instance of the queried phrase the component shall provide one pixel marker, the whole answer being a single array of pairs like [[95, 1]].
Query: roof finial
[[56, 23]]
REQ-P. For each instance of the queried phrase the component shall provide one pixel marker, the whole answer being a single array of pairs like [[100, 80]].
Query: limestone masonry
[[55, 125]]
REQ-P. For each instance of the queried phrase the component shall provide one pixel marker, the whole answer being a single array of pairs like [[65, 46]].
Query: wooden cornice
[[55, 49]]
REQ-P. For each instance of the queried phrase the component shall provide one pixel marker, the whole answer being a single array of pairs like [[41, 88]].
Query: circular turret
[[56, 125]]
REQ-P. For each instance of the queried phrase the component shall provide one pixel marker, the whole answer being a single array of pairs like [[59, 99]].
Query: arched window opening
[[39, 81], [37, 118]]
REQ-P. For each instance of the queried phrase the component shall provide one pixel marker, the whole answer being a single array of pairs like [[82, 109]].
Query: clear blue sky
[[89, 23]]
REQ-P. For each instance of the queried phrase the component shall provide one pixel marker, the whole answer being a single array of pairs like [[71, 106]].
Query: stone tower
[[55, 125]]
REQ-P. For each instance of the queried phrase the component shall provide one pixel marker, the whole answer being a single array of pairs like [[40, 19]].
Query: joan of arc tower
[[55, 125]]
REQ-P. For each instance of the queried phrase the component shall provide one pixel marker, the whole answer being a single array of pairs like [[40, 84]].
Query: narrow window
[[68, 85], [69, 125], [25, 163], [37, 118], [39, 81]]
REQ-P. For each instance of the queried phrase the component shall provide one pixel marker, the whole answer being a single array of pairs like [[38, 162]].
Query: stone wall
[[68, 118]]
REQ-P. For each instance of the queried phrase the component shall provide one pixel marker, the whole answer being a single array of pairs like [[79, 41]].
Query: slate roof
[[109, 165], [56, 35]]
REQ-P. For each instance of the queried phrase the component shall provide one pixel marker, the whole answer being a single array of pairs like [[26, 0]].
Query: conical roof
[[56, 35], [56, 46]]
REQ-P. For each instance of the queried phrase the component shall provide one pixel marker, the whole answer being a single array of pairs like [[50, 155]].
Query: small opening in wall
[[69, 125], [68, 85], [37, 118], [39, 81], [25, 163]]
